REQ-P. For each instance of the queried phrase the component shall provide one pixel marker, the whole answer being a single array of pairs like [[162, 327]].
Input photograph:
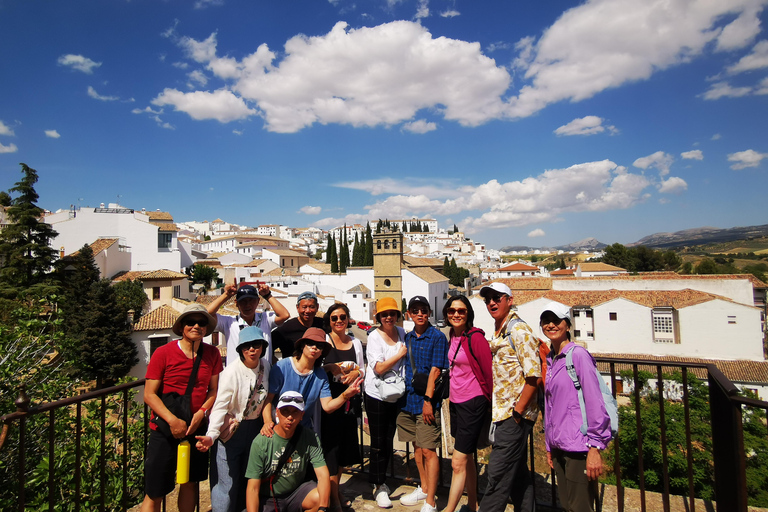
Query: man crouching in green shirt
[[274, 476]]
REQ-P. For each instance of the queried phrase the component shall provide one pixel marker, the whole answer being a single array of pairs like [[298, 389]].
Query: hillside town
[[656, 315]]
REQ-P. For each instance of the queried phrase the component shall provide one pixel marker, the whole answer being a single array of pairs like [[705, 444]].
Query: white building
[[151, 243]]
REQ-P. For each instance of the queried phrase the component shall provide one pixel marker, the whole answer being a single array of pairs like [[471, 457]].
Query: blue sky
[[525, 123]]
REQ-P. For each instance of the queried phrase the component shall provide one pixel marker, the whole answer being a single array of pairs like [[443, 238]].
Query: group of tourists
[[266, 421]]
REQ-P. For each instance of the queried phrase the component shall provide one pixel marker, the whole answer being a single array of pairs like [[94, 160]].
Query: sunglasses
[[250, 346], [494, 298], [191, 322], [387, 314], [457, 311], [419, 311], [340, 318], [292, 400], [310, 343]]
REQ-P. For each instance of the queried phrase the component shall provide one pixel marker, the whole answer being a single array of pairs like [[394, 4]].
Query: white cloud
[[395, 186], [5, 129], [52, 134], [450, 13], [762, 88], [659, 160], [197, 77], [202, 4], [499, 45], [11, 148], [420, 126], [146, 110], [356, 77], [536, 233], [237, 132], [758, 59], [180, 65], [741, 31], [592, 186], [221, 105], [95, 95], [724, 90], [672, 185], [744, 159], [603, 44], [588, 125], [422, 9], [695, 154], [332, 222], [311, 210], [79, 63], [716, 136]]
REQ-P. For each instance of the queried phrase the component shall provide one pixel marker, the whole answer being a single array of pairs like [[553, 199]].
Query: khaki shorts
[[412, 429]]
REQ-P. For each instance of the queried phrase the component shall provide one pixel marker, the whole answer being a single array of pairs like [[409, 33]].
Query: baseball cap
[[305, 296], [561, 311], [495, 287], [418, 299], [246, 292], [291, 399]]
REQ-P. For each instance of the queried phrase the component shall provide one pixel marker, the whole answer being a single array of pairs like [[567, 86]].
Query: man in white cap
[[277, 464], [516, 370], [247, 298]]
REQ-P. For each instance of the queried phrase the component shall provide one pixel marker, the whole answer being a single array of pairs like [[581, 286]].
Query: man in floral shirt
[[516, 370]]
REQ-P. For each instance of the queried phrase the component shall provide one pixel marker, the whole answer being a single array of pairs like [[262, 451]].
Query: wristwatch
[[517, 416], [428, 399], [267, 297], [324, 509]]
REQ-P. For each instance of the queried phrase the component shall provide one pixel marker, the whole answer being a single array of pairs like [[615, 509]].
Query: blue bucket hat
[[251, 334]]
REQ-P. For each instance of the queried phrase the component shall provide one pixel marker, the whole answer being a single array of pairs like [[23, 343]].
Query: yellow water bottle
[[182, 462]]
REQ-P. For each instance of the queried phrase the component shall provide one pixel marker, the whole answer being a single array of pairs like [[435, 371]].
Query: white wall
[[705, 331], [134, 229], [435, 292], [112, 260]]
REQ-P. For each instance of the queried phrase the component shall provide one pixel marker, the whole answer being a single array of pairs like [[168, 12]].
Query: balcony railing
[[87, 452]]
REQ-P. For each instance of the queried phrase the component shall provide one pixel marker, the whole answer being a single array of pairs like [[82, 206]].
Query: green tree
[[358, 252], [334, 259], [403, 306], [618, 255], [706, 266], [5, 199], [701, 439], [130, 295], [98, 338], [344, 255], [561, 264], [447, 267], [758, 270], [205, 275], [686, 268], [25, 252], [329, 248], [672, 260], [368, 246]]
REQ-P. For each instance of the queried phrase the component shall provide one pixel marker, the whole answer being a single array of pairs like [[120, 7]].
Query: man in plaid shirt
[[419, 421]]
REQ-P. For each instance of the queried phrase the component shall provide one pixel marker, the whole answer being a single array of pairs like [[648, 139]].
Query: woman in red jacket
[[470, 398]]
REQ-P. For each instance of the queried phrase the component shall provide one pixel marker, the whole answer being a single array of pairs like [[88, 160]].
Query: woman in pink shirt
[[470, 398]]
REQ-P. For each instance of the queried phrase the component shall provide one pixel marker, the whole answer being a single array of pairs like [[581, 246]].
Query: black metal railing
[[122, 430]]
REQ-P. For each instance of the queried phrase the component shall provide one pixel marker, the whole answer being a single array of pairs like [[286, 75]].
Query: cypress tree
[[26, 256], [455, 275], [368, 262], [447, 268], [358, 252], [332, 254]]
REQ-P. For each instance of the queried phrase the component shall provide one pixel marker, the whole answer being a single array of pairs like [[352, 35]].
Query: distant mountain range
[[701, 236], [686, 237]]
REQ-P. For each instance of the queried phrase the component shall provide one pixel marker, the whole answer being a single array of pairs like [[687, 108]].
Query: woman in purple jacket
[[574, 456], [470, 398]]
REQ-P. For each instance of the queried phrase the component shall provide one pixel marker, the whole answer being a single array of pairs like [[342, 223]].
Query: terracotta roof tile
[[158, 215], [325, 268], [102, 244], [157, 319], [518, 267], [650, 298], [599, 267], [427, 274], [563, 272], [165, 226], [163, 274], [126, 275]]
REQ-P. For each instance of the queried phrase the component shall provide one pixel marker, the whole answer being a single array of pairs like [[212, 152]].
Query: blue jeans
[[228, 463]]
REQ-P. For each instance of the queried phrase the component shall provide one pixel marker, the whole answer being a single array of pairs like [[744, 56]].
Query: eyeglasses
[[292, 400], [250, 346], [457, 311], [387, 314], [340, 318], [419, 311], [494, 298], [191, 322]]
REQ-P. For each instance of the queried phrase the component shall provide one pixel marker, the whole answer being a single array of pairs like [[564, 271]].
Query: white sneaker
[[426, 507], [413, 498], [381, 495]]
